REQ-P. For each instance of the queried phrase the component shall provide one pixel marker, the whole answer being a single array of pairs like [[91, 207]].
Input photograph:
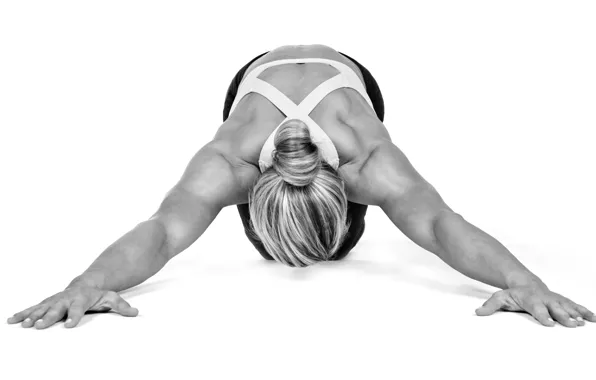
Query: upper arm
[[211, 181], [403, 194]]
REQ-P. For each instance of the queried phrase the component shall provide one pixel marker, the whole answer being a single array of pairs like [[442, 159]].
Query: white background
[[102, 105]]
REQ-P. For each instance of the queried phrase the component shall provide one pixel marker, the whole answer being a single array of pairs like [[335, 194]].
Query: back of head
[[298, 206]]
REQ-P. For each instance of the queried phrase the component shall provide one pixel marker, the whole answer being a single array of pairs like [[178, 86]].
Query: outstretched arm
[[212, 180], [417, 209]]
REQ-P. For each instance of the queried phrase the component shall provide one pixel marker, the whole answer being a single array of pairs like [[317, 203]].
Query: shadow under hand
[[90, 315], [138, 290]]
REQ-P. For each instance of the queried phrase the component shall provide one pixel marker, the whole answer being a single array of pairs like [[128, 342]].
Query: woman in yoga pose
[[302, 152]]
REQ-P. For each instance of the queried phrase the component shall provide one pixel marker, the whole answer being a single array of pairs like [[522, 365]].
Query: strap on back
[[346, 78]]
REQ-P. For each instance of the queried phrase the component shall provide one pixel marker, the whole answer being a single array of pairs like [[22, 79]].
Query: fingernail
[[27, 320], [68, 320], [580, 319], [550, 319], [39, 321]]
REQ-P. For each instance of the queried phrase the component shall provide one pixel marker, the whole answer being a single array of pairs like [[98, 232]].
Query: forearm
[[478, 255], [129, 261]]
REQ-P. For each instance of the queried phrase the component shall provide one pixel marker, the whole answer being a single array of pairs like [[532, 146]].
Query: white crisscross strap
[[346, 78]]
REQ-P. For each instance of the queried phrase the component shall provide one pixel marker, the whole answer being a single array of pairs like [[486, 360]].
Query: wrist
[[89, 280], [523, 279]]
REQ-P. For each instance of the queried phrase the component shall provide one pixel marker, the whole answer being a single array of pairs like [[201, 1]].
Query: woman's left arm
[[417, 209]]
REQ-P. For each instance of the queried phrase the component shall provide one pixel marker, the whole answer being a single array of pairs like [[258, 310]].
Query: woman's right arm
[[211, 181]]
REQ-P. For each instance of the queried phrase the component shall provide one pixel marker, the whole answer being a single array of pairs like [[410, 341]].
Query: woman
[[294, 168], [302, 153]]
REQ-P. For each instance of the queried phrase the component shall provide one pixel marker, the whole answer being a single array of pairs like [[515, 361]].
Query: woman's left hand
[[541, 303]]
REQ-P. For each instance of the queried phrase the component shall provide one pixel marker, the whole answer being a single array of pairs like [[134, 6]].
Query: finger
[[75, 313], [21, 315], [539, 311], [570, 309], [54, 314], [587, 314], [560, 315], [494, 303], [35, 315], [119, 305]]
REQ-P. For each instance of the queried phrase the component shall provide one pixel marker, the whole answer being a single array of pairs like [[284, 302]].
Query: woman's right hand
[[73, 302]]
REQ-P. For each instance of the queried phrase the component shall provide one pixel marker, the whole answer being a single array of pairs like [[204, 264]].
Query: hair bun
[[295, 157]]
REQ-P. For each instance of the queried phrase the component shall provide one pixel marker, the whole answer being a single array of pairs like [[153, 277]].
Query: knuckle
[[573, 313], [556, 307], [79, 302], [562, 310], [52, 314], [581, 308], [41, 305], [76, 312], [535, 308], [72, 293], [540, 315], [532, 304], [559, 313], [52, 298], [563, 301], [45, 300], [38, 313], [559, 297]]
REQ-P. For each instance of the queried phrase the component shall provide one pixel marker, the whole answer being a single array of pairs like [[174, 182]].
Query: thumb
[[493, 304], [125, 309], [120, 306]]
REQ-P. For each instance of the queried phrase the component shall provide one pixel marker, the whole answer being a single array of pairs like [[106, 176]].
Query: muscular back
[[374, 170], [344, 115]]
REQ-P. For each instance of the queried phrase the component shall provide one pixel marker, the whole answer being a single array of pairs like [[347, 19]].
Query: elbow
[[162, 237]]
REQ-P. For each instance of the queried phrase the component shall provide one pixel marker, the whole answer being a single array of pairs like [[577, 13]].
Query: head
[[298, 206]]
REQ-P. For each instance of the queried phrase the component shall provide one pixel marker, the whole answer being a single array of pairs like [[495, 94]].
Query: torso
[[344, 115]]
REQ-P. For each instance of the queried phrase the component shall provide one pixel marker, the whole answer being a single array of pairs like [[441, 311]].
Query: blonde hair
[[298, 206]]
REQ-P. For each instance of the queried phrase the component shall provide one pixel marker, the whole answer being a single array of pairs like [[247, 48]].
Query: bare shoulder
[[382, 172], [217, 174]]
